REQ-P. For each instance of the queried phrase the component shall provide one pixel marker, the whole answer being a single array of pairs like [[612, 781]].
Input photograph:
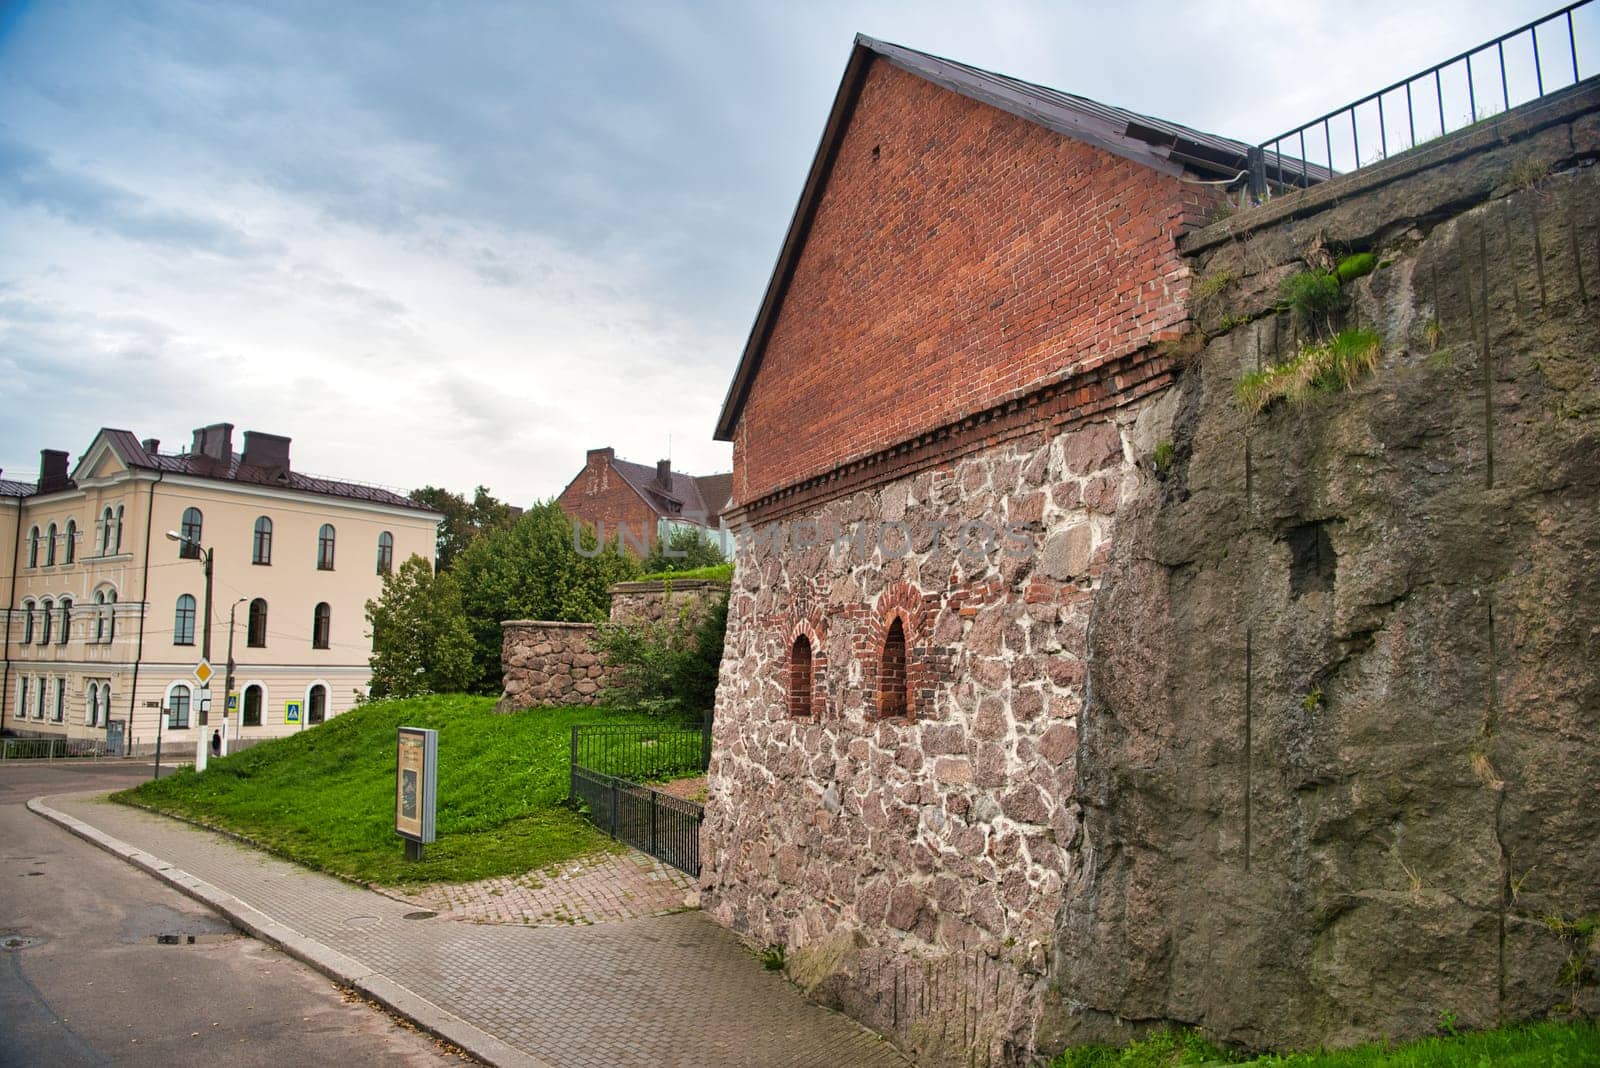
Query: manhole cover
[[361, 921], [17, 942], [421, 915]]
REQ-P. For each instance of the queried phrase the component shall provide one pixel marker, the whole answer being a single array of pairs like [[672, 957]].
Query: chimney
[[664, 473], [601, 457], [151, 445], [53, 471], [215, 442], [266, 450]]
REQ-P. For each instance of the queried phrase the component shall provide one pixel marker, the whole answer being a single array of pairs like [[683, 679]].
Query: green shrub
[[668, 667], [685, 549], [1310, 294]]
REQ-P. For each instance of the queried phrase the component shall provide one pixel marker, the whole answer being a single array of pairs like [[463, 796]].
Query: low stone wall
[[547, 663], [661, 599]]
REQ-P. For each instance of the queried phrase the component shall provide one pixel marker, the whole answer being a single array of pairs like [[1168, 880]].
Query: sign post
[[202, 748], [415, 781]]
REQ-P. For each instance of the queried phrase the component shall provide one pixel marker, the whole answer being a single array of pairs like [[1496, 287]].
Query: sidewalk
[[655, 992]]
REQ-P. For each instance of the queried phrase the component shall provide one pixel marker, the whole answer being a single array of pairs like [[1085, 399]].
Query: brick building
[[993, 266], [638, 504]]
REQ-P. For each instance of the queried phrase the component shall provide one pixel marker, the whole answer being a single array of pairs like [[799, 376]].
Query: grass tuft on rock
[[715, 572], [324, 797], [1322, 367]]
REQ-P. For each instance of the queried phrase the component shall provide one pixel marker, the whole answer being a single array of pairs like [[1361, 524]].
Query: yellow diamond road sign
[[203, 672]]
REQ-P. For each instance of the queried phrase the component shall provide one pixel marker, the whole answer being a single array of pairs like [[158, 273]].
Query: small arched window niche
[[894, 685], [801, 684]]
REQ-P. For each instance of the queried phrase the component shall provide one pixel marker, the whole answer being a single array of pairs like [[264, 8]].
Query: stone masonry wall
[[680, 599], [546, 663], [914, 867], [1288, 728]]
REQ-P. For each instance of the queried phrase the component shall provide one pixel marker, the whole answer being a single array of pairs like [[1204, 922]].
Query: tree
[[684, 549], [542, 566], [464, 521], [420, 640]]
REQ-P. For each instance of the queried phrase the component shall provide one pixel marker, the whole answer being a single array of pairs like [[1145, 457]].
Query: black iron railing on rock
[[1510, 70], [610, 771]]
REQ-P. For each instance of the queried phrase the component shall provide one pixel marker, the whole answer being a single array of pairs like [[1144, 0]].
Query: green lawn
[[325, 798], [1538, 1045]]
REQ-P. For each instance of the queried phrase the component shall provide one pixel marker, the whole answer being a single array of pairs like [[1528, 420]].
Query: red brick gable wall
[[958, 256], [602, 498]]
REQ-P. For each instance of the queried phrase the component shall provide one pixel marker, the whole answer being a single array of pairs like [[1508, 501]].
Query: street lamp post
[[227, 683], [205, 646]]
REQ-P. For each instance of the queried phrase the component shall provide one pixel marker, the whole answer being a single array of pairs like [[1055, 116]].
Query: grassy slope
[[325, 798], [1532, 1046]]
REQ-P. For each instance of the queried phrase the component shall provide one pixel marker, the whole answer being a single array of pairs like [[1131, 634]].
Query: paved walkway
[[604, 888], [652, 992]]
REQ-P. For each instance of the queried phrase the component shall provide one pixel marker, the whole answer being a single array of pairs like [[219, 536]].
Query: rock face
[[1338, 760]]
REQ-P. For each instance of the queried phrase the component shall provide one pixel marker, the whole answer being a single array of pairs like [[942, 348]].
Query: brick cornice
[[1074, 398]]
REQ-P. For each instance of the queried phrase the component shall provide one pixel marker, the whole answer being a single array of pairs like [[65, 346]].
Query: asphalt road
[[91, 984]]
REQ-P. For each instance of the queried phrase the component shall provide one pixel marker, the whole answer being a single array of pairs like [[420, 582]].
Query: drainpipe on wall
[[11, 599], [144, 610]]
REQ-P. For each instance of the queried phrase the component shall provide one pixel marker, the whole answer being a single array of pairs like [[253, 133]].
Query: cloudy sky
[[460, 243]]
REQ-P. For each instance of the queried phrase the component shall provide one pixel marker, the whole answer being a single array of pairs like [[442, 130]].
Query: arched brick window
[[261, 545], [325, 548], [800, 686], [894, 701], [50, 546], [71, 546], [321, 625], [385, 553]]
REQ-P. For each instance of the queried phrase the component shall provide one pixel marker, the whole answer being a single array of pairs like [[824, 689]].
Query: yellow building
[[107, 616]]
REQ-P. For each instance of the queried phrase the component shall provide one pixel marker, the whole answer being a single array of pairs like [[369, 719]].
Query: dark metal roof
[[11, 488], [1167, 147], [686, 498], [197, 465]]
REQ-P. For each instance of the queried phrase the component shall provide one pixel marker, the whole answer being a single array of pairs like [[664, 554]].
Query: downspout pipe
[[144, 610], [11, 599]]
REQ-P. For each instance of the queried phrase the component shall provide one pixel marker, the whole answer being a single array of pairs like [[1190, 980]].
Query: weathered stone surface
[[1342, 684], [543, 663]]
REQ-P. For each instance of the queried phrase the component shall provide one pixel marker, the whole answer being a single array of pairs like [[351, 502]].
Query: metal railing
[[642, 752], [610, 766], [666, 827], [50, 748], [1420, 108]]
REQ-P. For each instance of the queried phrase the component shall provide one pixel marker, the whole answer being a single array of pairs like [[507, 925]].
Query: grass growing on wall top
[[1535, 1045], [325, 797], [716, 572]]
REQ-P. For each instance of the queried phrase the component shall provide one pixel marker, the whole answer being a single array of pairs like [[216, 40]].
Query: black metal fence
[[611, 766], [643, 752], [1529, 62]]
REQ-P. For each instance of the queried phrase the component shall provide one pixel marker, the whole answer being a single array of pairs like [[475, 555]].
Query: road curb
[[330, 962]]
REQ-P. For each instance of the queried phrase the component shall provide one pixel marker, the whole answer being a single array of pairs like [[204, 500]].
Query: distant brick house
[[637, 503], [989, 268]]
